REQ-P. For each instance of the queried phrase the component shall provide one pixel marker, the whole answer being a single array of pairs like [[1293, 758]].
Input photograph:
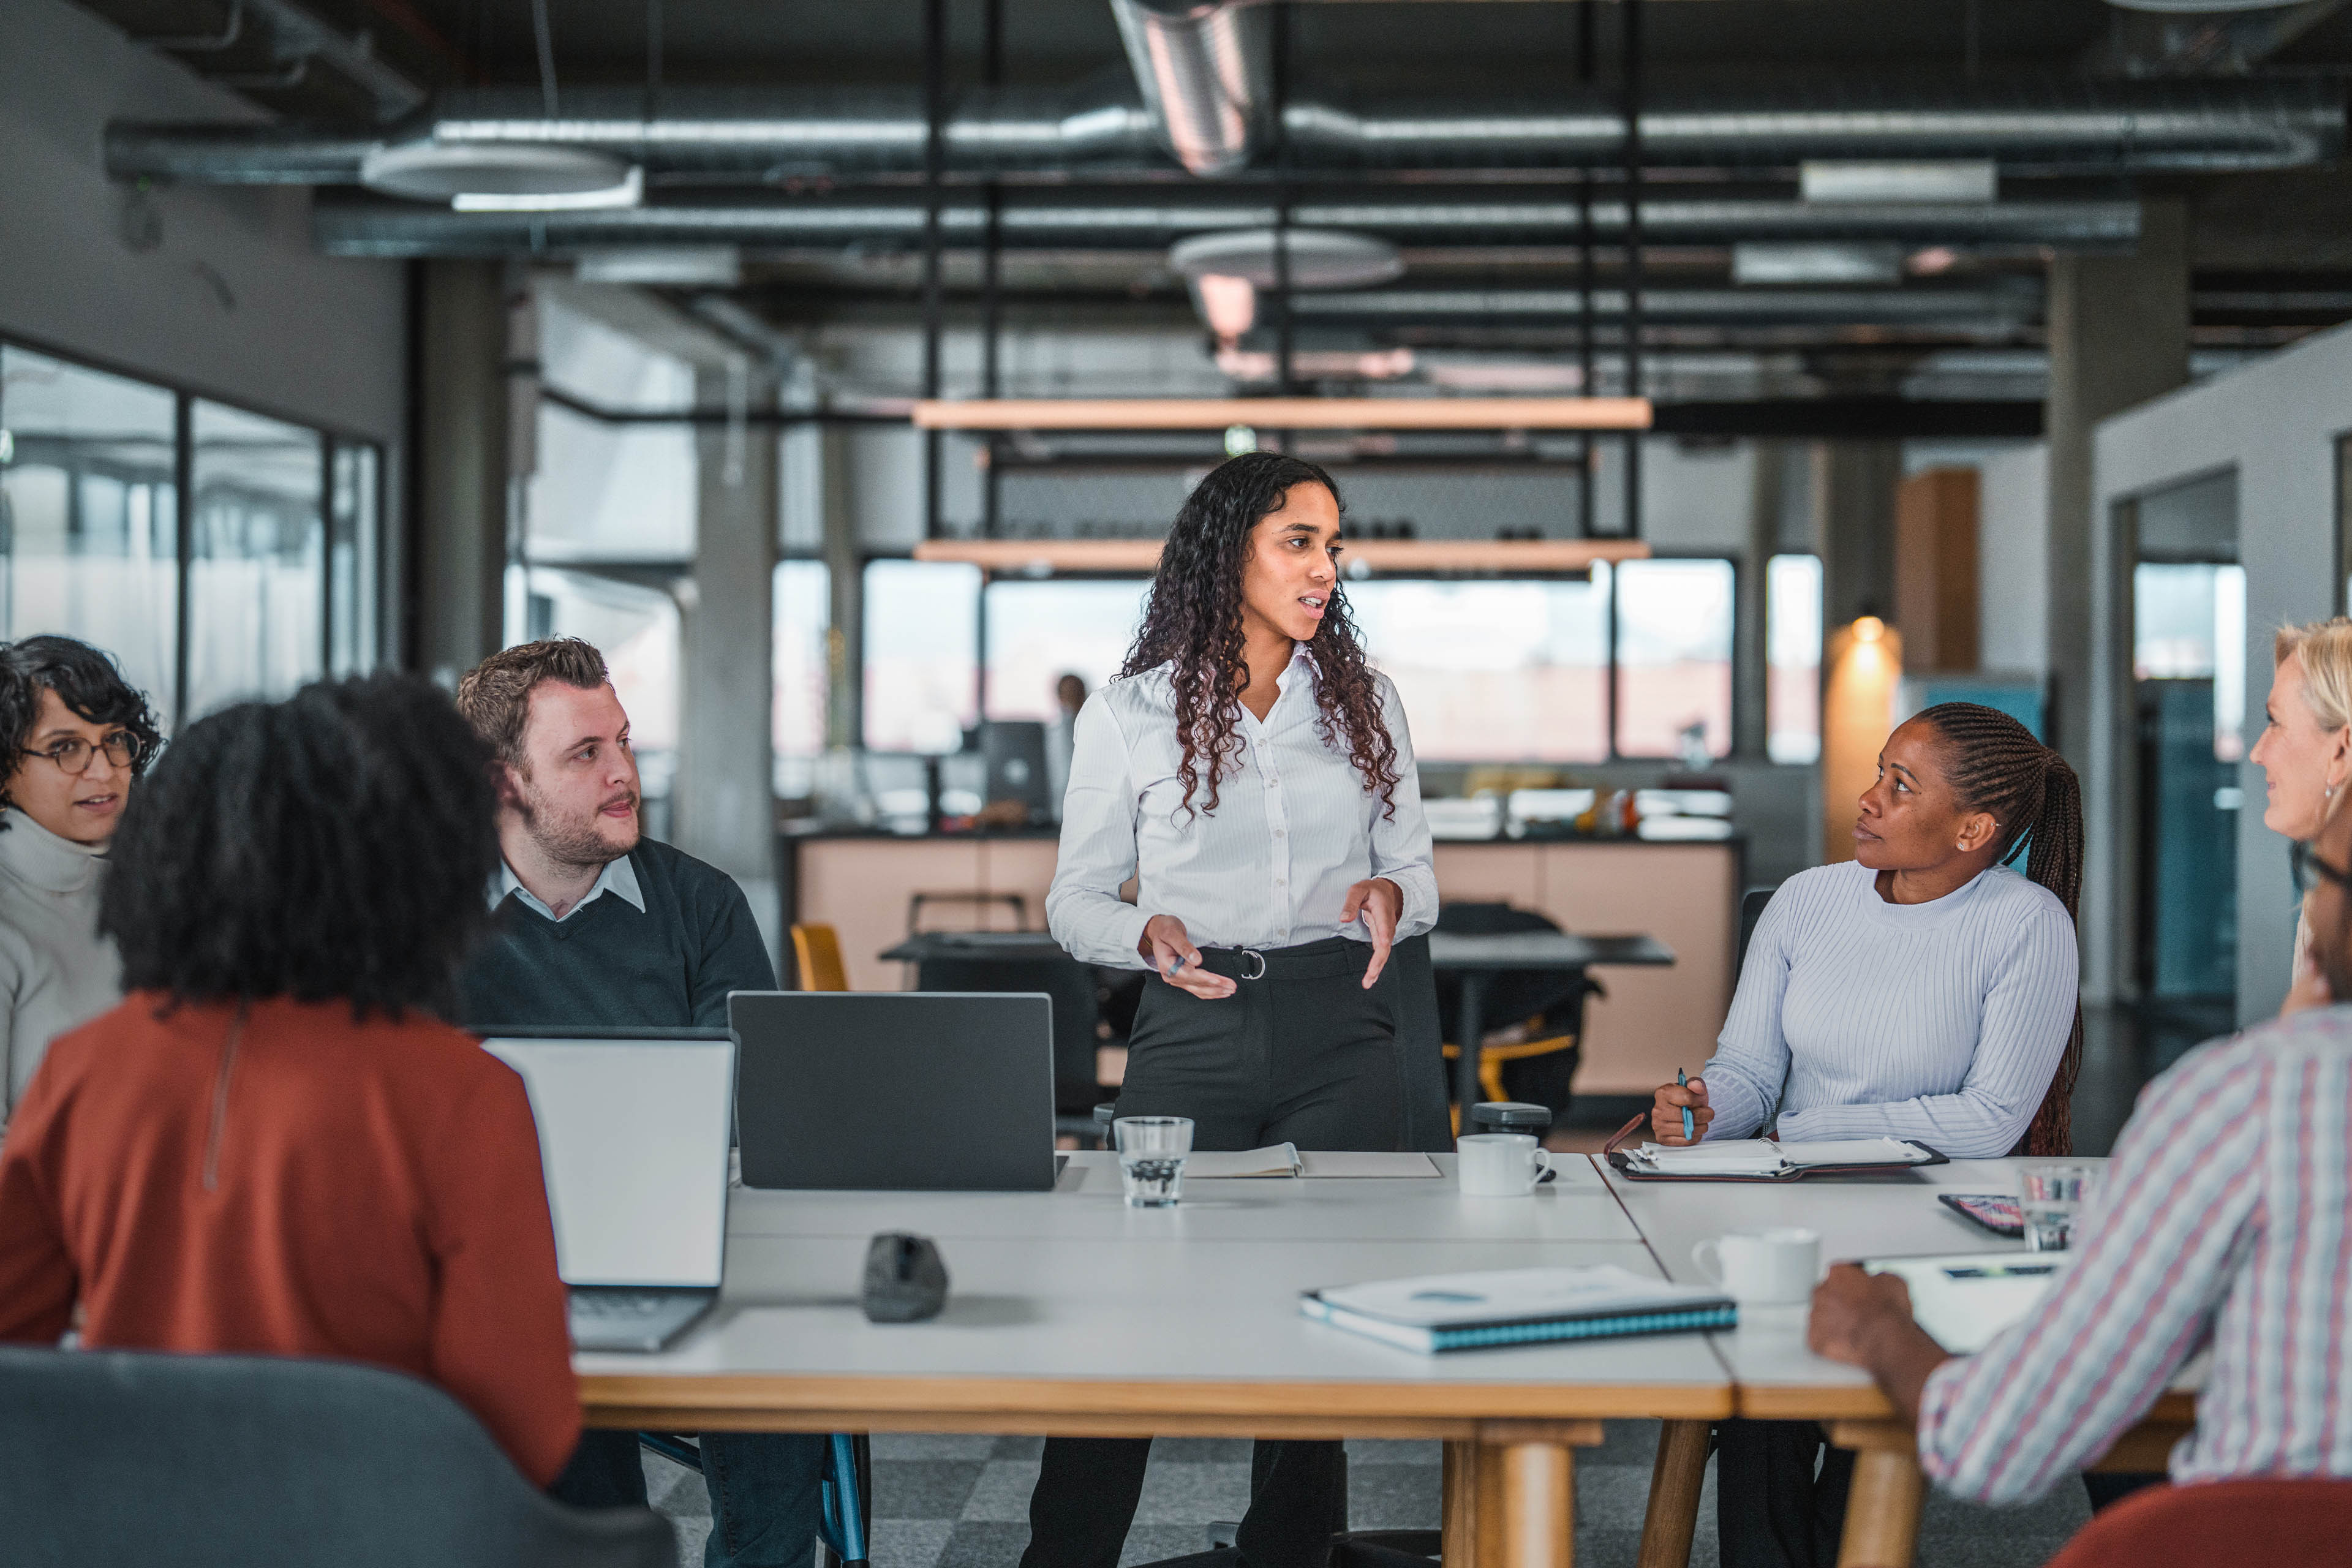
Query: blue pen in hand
[[1690, 1128]]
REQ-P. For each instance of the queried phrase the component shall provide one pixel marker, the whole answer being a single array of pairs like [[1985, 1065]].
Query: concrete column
[[2118, 336], [845, 722], [455, 595], [1748, 698], [724, 795], [1854, 495]]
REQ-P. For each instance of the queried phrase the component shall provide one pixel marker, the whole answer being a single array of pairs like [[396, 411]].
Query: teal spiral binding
[[1723, 1317]]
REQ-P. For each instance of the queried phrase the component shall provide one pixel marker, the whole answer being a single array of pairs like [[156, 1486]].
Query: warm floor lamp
[[1862, 665]]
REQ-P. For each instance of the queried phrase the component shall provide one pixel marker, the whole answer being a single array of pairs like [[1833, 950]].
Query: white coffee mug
[[1774, 1267], [1500, 1165]]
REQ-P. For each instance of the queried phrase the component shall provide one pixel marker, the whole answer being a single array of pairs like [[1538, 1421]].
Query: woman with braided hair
[[1924, 989], [1253, 777]]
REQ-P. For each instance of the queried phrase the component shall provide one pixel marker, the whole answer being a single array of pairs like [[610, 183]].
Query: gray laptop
[[633, 1134], [899, 1090]]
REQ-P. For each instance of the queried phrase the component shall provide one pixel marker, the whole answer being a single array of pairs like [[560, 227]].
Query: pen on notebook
[[1690, 1129]]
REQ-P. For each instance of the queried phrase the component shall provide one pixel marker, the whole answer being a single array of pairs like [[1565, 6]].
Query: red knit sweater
[[301, 1185]]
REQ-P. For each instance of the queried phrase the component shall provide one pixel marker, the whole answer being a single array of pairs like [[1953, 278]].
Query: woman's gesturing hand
[[1380, 901], [1666, 1113], [1179, 962]]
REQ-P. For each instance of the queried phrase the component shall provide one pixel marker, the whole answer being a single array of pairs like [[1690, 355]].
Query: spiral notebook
[[1497, 1307]]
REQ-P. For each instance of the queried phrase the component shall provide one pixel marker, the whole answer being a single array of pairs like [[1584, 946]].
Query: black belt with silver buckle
[[1253, 953]]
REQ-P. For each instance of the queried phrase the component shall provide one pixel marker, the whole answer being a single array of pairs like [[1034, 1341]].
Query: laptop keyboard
[[620, 1305]]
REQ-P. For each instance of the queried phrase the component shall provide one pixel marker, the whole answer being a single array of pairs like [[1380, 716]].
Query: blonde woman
[[2306, 755]]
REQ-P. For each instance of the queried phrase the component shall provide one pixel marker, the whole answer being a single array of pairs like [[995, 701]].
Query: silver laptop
[[634, 1134]]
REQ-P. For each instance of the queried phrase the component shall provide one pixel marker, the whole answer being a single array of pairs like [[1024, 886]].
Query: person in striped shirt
[[2222, 1223]]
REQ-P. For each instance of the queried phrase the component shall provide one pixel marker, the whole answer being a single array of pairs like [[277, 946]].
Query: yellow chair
[[816, 953], [1492, 1057]]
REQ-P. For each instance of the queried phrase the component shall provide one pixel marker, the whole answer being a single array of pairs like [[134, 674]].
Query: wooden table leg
[[1675, 1480], [1538, 1506], [1882, 1511]]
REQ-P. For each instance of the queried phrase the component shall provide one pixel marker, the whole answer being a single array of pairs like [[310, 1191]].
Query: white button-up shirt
[[618, 878], [1293, 827]]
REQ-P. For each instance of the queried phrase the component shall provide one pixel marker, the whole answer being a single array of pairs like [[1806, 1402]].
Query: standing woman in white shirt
[[1255, 777], [73, 736]]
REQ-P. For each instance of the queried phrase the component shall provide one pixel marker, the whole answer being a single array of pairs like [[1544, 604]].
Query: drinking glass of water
[[1151, 1150], [2051, 1194]]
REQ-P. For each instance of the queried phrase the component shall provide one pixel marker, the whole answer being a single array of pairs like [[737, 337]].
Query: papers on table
[[1964, 1301], [1279, 1160], [1366, 1164], [1435, 1313], [1284, 1160], [1773, 1157]]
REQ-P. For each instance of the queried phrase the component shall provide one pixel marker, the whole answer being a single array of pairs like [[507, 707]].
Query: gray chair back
[[202, 1461]]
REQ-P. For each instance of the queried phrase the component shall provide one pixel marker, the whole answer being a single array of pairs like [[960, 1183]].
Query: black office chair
[[227, 1461], [1751, 910], [1541, 1071]]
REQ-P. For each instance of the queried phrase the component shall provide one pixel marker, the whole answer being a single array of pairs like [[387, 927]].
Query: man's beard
[[569, 839]]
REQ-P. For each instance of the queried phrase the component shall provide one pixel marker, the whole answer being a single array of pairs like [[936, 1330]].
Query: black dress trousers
[[1301, 1053]]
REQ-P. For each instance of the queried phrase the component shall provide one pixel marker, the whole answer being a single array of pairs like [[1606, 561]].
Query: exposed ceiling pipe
[[1206, 70], [1731, 306], [2104, 128], [352, 225]]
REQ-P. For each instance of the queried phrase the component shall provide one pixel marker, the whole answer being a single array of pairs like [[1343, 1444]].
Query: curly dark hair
[[1194, 621], [86, 679], [335, 845], [1996, 765]]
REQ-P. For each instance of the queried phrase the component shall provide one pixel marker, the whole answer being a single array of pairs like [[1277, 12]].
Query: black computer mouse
[[906, 1279]]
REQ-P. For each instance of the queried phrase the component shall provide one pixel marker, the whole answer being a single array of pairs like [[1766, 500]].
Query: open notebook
[[1964, 1301], [1764, 1159], [1497, 1307]]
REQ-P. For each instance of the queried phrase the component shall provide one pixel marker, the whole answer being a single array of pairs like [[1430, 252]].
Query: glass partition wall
[[1491, 669], [274, 581]]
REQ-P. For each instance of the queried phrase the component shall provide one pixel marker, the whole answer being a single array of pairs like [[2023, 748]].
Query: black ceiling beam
[[1852, 418]]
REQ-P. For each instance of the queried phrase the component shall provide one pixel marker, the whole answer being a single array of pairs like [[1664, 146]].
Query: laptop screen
[[632, 1135]]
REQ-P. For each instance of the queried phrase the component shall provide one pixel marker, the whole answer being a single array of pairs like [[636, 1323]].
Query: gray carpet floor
[[963, 1502]]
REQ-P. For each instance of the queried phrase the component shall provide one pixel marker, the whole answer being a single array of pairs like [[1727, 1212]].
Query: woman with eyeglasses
[[2305, 755], [76, 736]]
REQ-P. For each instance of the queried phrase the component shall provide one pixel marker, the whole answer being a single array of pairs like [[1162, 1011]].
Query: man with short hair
[[599, 926], [2221, 1223]]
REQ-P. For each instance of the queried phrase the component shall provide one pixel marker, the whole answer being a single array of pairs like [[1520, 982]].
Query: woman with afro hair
[[1254, 778]]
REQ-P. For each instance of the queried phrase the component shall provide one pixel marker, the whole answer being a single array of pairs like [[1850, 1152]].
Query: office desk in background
[[1072, 1314], [1685, 895], [1477, 960]]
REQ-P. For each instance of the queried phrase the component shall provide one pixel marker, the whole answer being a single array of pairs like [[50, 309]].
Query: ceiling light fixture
[[629, 192], [430, 170], [1769, 263], [1838, 182]]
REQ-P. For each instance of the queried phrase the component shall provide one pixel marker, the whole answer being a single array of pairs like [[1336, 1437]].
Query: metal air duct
[[350, 226], [2103, 128], [1203, 67]]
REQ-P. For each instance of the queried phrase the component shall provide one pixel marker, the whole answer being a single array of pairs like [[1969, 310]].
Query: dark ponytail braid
[[1997, 767]]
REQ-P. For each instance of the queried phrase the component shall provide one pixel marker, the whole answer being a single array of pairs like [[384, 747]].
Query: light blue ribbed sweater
[[1941, 1021]]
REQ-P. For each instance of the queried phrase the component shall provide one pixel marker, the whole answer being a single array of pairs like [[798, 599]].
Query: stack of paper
[[1517, 1306]]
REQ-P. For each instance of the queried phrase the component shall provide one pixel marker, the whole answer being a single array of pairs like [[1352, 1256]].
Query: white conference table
[[1776, 1377], [1069, 1313]]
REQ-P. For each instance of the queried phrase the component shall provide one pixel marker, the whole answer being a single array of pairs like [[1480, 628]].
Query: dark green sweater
[[608, 965]]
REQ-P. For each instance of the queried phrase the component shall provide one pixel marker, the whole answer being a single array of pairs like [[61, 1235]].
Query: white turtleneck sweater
[[56, 970]]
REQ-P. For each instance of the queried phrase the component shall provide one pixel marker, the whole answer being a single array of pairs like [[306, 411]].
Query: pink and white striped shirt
[[2221, 1222]]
